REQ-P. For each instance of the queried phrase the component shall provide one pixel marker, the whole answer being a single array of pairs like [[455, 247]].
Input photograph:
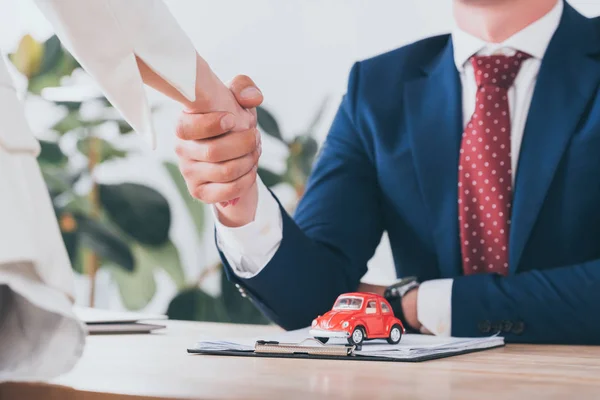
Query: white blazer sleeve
[[40, 336], [106, 35]]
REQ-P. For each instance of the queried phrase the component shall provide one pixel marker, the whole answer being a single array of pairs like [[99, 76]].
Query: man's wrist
[[409, 308], [260, 238], [242, 213], [403, 301]]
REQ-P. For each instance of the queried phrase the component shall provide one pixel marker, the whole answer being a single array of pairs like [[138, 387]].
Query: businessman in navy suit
[[478, 152]]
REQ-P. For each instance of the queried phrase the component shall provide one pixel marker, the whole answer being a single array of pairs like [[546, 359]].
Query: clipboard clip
[[308, 346]]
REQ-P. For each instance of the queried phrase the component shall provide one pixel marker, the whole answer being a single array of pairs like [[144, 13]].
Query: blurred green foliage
[[126, 226]]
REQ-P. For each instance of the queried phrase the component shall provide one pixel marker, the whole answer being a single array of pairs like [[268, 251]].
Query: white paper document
[[99, 316], [410, 347]]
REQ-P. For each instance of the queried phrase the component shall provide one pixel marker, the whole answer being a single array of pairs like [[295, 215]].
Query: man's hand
[[409, 308], [218, 162]]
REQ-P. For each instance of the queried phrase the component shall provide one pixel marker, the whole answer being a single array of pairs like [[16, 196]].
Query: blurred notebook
[[100, 321], [294, 344]]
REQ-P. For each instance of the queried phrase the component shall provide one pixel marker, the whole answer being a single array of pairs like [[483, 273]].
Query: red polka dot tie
[[485, 176]]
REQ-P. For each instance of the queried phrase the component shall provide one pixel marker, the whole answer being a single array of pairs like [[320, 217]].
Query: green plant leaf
[[239, 309], [137, 287], [267, 122], [124, 127], [52, 54], [195, 208], [67, 64], [77, 262], [139, 211], [56, 178], [69, 229], [269, 178], [107, 244], [51, 153], [195, 305], [39, 82], [71, 240], [309, 148], [77, 204], [105, 149], [28, 56], [70, 105], [294, 175], [165, 257], [303, 150], [68, 123]]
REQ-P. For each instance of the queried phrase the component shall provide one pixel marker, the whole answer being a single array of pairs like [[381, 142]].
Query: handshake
[[218, 154]]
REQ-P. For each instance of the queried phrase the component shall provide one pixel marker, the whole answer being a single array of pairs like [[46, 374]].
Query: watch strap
[[394, 293]]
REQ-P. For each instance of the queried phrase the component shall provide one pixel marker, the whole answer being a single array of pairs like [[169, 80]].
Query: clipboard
[[319, 351]]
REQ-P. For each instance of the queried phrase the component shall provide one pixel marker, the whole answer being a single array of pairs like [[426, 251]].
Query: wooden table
[[157, 366]]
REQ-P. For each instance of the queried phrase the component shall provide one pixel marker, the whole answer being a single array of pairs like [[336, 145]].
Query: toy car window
[[371, 307], [348, 303], [384, 308]]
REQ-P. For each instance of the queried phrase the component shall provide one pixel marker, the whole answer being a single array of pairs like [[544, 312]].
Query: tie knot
[[497, 70]]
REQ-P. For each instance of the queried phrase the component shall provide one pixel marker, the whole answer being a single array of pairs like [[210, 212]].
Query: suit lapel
[[433, 113], [567, 80]]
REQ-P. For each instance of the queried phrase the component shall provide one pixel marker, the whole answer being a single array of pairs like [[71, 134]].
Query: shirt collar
[[533, 39]]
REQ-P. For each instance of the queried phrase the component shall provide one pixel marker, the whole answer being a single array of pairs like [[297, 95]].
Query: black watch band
[[394, 293]]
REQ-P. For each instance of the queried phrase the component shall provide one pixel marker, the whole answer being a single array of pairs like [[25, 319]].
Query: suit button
[[518, 327], [484, 326], [507, 326], [241, 290]]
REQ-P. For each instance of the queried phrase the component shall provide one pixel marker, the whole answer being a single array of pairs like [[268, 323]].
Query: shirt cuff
[[249, 248], [434, 306]]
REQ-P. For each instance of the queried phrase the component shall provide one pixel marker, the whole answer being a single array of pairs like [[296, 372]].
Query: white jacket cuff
[[40, 336], [249, 248], [106, 35], [434, 306]]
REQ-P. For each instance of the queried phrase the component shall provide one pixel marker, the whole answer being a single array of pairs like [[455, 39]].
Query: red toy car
[[358, 317]]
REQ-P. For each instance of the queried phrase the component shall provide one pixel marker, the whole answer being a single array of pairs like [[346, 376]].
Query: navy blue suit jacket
[[390, 162]]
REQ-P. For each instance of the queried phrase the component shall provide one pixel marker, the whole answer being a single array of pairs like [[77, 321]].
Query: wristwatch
[[394, 293]]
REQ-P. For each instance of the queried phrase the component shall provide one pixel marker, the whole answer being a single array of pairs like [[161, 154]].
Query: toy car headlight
[[314, 323], [345, 324]]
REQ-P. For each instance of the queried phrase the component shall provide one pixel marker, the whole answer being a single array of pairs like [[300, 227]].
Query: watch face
[[390, 293], [408, 287]]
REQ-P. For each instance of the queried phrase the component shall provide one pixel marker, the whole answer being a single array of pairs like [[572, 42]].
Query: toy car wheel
[[323, 339], [395, 335], [358, 336]]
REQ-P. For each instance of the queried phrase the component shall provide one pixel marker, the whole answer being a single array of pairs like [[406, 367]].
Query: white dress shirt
[[249, 248], [40, 337]]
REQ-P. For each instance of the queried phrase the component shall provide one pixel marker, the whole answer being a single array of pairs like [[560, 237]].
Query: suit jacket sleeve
[[337, 228], [557, 305]]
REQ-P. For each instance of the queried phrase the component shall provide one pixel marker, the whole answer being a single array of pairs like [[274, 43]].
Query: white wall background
[[298, 51]]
